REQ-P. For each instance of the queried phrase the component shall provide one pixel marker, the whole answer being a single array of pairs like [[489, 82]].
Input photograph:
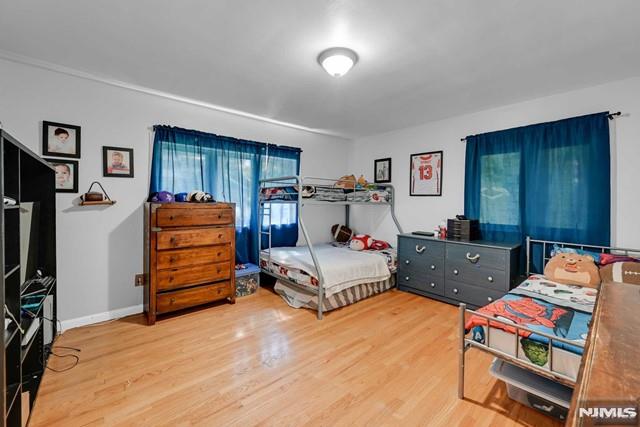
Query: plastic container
[[532, 390], [247, 280]]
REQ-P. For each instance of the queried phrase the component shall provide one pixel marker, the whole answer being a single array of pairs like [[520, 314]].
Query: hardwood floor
[[388, 360]]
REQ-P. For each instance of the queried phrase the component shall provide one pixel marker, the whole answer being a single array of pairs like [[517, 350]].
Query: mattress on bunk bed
[[326, 193], [342, 268], [301, 298], [541, 305]]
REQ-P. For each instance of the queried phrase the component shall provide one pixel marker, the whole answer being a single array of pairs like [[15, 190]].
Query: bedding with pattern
[[326, 193], [541, 305]]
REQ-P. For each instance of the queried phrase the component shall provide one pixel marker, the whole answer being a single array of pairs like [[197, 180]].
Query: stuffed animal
[[341, 233], [360, 242], [623, 272], [573, 269], [362, 182], [347, 182], [379, 245]]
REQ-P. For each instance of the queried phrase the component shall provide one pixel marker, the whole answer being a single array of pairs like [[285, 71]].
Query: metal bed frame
[[299, 182], [466, 343]]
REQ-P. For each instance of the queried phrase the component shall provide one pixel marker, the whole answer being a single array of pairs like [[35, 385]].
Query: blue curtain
[[281, 161], [550, 181], [228, 168]]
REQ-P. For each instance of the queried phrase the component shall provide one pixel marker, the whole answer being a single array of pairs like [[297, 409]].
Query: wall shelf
[[100, 203]]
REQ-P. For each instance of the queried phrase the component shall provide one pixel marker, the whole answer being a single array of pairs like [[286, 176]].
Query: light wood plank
[[387, 360]]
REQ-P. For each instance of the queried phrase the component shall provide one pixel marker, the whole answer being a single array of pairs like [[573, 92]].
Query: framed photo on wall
[[117, 162], [382, 170], [60, 140], [66, 175], [426, 174]]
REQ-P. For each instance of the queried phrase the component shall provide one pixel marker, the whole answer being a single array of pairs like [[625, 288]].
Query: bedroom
[[130, 82]]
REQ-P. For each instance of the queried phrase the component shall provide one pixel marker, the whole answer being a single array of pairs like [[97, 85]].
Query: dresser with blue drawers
[[475, 272]]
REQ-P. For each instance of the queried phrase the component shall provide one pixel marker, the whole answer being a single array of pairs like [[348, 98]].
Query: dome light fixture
[[337, 61]]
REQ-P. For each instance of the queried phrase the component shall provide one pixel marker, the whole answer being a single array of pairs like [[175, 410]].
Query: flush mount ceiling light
[[337, 61]]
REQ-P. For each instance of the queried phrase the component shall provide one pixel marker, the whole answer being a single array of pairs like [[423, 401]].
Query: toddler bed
[[541, 305], [542, 325]]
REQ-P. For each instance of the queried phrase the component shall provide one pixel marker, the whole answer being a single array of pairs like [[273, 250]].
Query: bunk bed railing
[[300, 201]]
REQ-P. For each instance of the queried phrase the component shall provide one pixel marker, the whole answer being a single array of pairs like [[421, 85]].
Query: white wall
[[100, 249], [424, 213]]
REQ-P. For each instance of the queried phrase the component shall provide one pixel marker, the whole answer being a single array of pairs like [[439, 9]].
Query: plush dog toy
[[360, 242], [573, 269]]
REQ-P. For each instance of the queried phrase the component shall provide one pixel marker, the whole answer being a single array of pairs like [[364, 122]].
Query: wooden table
[[610, 369]]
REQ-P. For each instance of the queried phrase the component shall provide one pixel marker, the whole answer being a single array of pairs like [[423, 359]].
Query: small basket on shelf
[[94, 198]]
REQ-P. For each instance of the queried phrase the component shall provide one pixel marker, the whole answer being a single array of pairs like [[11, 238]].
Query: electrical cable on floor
[[52, 352]]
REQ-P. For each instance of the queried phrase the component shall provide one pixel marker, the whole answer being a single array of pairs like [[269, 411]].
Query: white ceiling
[[420, 60]]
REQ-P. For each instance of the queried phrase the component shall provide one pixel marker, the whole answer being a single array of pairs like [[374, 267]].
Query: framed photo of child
[[426, 174], [60, 140], [66, 175], [117, 162], [382, 170]]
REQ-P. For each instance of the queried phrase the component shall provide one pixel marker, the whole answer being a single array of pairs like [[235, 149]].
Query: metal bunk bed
[[299, 183], [466, 343]]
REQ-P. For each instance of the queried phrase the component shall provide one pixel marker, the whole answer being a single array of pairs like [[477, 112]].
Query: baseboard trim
[[65, 325]]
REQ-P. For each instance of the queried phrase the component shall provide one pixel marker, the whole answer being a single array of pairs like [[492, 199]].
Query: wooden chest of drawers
[[189, 256], [475, 272]]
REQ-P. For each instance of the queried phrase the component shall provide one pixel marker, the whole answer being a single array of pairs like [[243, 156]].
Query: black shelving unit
[[30, 181]]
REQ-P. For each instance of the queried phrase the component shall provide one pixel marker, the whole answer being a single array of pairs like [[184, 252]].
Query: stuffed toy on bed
[[573, 269], [363, 242], [360, 242]]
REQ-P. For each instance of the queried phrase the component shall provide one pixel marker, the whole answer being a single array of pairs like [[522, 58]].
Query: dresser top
[[189, 205], [483, 243]]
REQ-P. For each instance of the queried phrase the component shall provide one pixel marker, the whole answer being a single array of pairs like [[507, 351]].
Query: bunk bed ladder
[[265, 207]]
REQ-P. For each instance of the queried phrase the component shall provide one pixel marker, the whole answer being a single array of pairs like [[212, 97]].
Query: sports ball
[[341, 233], [181, 197], [162, 197], [360, 242], [308, 191]]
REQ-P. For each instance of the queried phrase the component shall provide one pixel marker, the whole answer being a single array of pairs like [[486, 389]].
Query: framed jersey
[[426, 174]]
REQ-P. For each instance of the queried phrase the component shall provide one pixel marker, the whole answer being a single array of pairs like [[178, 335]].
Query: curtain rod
[[611, 116]]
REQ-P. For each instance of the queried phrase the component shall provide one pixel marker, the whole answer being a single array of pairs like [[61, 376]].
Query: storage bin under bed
[[532, 390], [247, 280]]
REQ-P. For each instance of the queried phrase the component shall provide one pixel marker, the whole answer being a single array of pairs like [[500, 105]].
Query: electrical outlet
[[139, 281]]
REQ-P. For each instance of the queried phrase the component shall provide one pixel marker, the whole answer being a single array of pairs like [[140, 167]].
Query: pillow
[[573, 269], [560, 250], [625, 272], [606, 259]]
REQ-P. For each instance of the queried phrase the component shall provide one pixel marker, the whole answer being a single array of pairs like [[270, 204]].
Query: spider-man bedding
[[545, 306]]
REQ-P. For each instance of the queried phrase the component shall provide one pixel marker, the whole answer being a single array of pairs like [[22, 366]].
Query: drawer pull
[[172, 260], [407, 262], [489, 299], [220, 236], [433, 285], [474, 258], [406, 278], [218, 270], [219, 216], [420, 249], [171, 278], [172, 240], [171, 218], [433, 267], [172, 300], [455, 290], [490, 279], [455, 271]]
